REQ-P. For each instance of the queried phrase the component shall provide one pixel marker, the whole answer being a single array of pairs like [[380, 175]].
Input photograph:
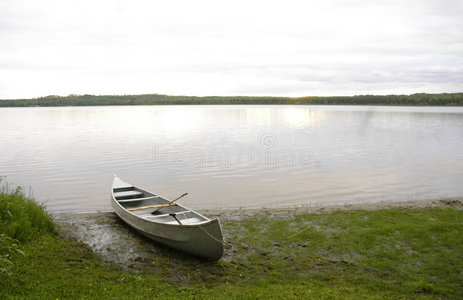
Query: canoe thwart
[[152, 206], [170, 202]]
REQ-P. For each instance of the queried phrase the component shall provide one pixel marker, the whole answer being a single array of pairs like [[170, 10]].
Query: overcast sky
[[290, 48]]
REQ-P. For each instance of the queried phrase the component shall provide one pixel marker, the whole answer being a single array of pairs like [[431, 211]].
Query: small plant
[[8, 248]]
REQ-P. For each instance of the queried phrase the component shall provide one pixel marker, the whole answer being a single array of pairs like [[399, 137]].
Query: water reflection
[[234, 156]]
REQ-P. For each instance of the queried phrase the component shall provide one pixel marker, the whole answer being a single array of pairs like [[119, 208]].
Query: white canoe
[[175, 226]]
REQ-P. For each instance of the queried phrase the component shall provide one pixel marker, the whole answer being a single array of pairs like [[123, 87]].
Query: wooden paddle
[[158, 206]]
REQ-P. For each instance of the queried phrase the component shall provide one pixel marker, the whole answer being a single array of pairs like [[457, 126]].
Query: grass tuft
[[21, 220]]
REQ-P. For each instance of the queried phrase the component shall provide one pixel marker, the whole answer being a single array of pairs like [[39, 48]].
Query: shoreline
[[240, 213], [394, 250], [416, 99], [116, 242]]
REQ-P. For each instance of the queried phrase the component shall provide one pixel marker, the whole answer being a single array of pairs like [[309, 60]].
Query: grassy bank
[[413, 254], [21, 221], [444, 99]]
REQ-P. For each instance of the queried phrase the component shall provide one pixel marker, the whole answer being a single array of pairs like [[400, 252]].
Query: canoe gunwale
[[197, 224]]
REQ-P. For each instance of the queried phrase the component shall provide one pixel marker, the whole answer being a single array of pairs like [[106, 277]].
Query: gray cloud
[[269, 48]]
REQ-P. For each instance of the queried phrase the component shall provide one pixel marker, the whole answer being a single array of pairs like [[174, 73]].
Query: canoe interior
[[129, 196]]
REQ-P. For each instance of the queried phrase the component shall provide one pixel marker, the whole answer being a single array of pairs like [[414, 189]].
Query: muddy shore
[[108, 236]]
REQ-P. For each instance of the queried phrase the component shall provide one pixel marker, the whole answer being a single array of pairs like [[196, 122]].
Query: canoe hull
[[204, 240]]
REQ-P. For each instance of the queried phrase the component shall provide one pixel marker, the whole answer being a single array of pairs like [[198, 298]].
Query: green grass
[[21, 220], [387, 254]]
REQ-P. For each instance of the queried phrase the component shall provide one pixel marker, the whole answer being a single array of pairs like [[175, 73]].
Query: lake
[[234, 156]]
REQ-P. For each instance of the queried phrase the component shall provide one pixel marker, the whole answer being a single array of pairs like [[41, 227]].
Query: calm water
[[234, 156]]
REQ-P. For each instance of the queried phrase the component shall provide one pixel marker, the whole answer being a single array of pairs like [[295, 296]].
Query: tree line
[[443, 99]]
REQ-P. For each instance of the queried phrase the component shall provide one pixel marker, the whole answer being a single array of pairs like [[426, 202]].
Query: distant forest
[[445, 99]]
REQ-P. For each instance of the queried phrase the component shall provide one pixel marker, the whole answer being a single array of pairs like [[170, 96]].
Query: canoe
[[165, 222]]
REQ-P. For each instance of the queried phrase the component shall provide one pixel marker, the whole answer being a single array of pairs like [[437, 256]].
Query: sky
[[267, 48]]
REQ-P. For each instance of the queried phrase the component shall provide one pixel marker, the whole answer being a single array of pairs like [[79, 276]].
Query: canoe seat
[[128, 195], [151, 216], [123, 188], [191, 220], [188, 221], [168, 219]]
